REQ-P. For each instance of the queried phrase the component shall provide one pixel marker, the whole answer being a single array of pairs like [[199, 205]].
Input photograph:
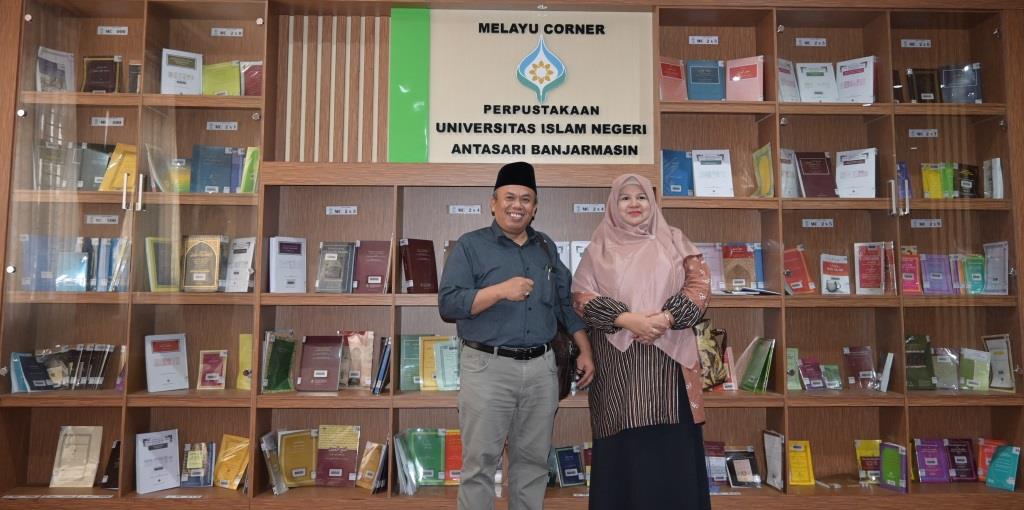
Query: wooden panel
[[330, 320], [831, 432], [931, 422], [1013, 21], [572, 427], [45, 431], [427, 418], [739, 428]]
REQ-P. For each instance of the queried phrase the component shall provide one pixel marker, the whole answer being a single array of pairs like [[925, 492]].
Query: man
[[506, 289]]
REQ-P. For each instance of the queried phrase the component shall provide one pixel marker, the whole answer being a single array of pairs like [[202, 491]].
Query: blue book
[[935, 275], [18, 382], [1002, 471], [211, 169], [570, 466], [903, 179], [44, 262], [237, 162], [37, 377], [705, 80], [197, 464], [961, 83], [72, 274], [676, 173], [758, 265]]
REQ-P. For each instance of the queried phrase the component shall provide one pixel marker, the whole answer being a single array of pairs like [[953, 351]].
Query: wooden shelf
[[958, 301], [848, 486], [191, 398], [81, 98], [304, 498], [978, 489], [727, 399], [194, 298], [719, 203], [851, 301], [959, 204], [62, 398], [948, 398], [834, 109], [850, 397], [67, 197], [78, 298], [755, 107], [416, 300], [268, 299], [212, 199], [60, 498], [211, 102], [430, 400], [173, 499], [730, 301], [949, 109], [342, 399], [832, 204]]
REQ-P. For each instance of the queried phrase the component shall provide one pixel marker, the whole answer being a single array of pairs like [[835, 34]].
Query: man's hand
[[584, 369], [516, 288]]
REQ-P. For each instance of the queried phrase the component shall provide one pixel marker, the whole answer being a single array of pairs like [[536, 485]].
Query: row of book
[[62, 367], [211, 169], [327, 363], [167, 364], [427, 457], [326, 456], [429, 363], [736, 268], [740, 79], [950, 179], [51, 263], [55, 72], [209, 263], [806, 373], [943, 368]]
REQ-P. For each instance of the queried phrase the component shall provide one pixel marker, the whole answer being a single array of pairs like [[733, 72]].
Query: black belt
[[517, 353]]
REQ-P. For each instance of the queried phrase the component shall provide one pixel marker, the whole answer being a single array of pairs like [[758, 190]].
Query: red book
[[986, 448], [739, 265], [419, 266], [373, 261], [798, 276], [252, 78], [816, 177], [212, 368], [910, 271], [672, 84], [321, 363], [452, 457], [745, 79], [860, 366], [870, 263]]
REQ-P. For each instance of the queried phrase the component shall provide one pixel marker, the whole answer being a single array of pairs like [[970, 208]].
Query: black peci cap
[[520, 173]]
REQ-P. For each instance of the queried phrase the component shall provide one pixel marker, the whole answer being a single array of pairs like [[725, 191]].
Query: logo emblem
[[541, 71]]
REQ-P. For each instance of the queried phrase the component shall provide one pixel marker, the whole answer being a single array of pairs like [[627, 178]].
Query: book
[[856, 173], [997, 269], [801, 465], [232, 461], [676, 173], [869, 462], [910, 271], [923, 85], [793, 381], [334, 271], [931, 180], [815, 172], [974, 274], [121, 169], [961, 460], [222, 79], [425, 448], [297, 450], [94, 160], [371, 270], [810, 373], [371, 465], [712, 173], [986, 448], [903, 180], [885, 373], [742, 465], [755, 377], [961, 83], [409, 363], [869, 267], [576, 251], [974, 369], [817, 82], [418, 266], [946, 364], [197, 464], [1003, 374], [932, 460], [102, 74], [453, 457], [948, 174], [212, 370], [428, 361], [112, 475], [251, 75], [965, 180], [359, 345], [250, 170], [77, 458], [789, 177], [774, 446], [894, 467], [278, 355], [789, 89], [268, 445], [134, 77], [446, 364], [166, 363], [211, 169], [714, 459], [181, 72], [712, 253], [240, 270], [744, 79], [163, 264], [763, 172], [156, 461], [1002, 472], [860, 366], [797, 275], [920, 370], [570, 466], [321, 363], [383, 376], [671, 83], [935, 274], [855, 80], [205, 263], [739, 266], [243, 379], [337, 455], [899, 92], [831, 375], [55, 70], [705, 80], [992, 178], [835, 274], [287, 264]]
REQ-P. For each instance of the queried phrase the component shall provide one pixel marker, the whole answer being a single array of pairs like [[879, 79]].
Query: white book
[[885, 373], [181, 72], [855, 173], [78, 456], [789, 174], [817, 83], [774, 446], [287, 264], [55, 70], [979, 378], [1002, 362], [992, 175], [240, 270], [789, 90], [564, 252], [156, 461], [712, 173], [166, 363], [997, 268], [856, 80], [712, 253], [577, 248], [835, 274]]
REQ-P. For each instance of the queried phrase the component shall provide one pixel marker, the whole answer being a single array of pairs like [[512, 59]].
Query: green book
[[425, 448], [920, 369], [833, 379], [894, 467], [223, 79], [409, 367], [793, 369], [974, 273], [250, 170], [974, 369], [1002, 471], [279, 364], [755, 378], [949, 171]]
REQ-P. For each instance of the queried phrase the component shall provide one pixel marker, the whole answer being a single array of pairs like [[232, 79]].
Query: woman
[[640, 287]]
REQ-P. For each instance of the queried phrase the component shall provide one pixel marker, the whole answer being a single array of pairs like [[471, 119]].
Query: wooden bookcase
[[321, 123]]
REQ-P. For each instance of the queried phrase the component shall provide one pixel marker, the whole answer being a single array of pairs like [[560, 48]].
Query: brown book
[[923, 85], [337, 455], [205, 263], [860, 366], [252, 78], [371, 268], [816, 177], [740, 266], [102, 74], [419, 266], [321, 363]]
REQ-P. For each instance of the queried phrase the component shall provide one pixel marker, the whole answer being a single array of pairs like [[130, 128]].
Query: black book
[[924, 85], [102, 74], [898, 90], [36, 375], [967, 181], [93, 166], [111, 475]]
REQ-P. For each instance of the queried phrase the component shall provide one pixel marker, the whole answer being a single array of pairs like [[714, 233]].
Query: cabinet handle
[[906, 196], [124, 192], [892, 198], [138, 203]]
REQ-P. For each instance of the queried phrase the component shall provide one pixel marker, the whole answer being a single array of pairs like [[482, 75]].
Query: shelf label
[[815, 42], [915, 43], [926, 223], [818, 223], [704, 40], [587, 208], [107, 121], [221, 126], [101, 219], [924, 133], [342, 210], [226, 32], [111, 30], [464, 209]]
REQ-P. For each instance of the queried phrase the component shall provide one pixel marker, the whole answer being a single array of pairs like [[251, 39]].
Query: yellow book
[[931, 176], [428, 361], [801, 468], [244, 379], [868, 459], [121, 169], [297, 452], [232, 460], [370, 465], [223, 79], [763, 172]]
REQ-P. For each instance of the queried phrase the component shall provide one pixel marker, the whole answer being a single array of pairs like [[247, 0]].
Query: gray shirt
[[486, 257]]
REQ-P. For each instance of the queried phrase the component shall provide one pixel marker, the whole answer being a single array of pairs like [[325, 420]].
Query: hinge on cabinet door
[[12, 269], [1002, 124], [783, 121], [259, 21], [28, 18], [996, 33], [256, 116], [21, 113], [1012, 273], [780, 29], [3, 371]]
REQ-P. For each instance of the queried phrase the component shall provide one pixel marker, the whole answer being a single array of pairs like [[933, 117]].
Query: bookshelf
[[307, 167]]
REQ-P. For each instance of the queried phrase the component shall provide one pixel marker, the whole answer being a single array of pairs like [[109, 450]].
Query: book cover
[[102, 74], [797, 275], [213, 366], [742, 465], [974, 274], [371, 267], [287, 264], [966, 181], [856, 80], [321, 363], [931, 180], [788, 175], [801, 465], [920, 369], [55, 70], [197, 464], [334, 271], [810, 373], [705, 80], [714, 458], [251, 73], [793, 381], [250, 170], [986, 448], [932, 460], [774, 448], [935, 276], [157, 466], [134, 76], [211, 169], [903, 179], [409, 363], [278, 356], [181, 72], [835, 274], [222, 79], [232, 461], [910, 271], [77, 458], [94, 160], [739, 266], [832, 377], [298, 452], [370, 465], [111, 477], [570, 466], [885, 360], [268, 445], [1002, 472], [860, 366], [923, 85], [817, 82], [359, 345], [425, 448], [894, 467], [712, 173], [961, 460], [337, 455], [712, 253], [1002, 367], [166, 363], [429, 361], [205, 263], [946, 363], [763, 172], [163, 264], [869, 461], [453, 457], [243, 379], [419, 265], [676, 173], [992, 178], [870, 268], [789, 90], [121, 169], [899, 92], [240, 272], [974, 369], [755, 378], [815, 172], [744, 79], [997, 269], [856, 173], [671, 83], [961, 83]]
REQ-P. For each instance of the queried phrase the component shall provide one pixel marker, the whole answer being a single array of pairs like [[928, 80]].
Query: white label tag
[[111, 30], [342, 210], [464, 209], [926, 223], [107, 121], [587, 208], [221, 126], [704, 40], [226, 32], [923, 133], [915, 43], [816, 42], [101, 219], [818, 223]]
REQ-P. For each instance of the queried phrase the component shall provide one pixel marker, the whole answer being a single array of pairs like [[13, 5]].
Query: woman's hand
[[580, 300], [584, 369], [646, 329]]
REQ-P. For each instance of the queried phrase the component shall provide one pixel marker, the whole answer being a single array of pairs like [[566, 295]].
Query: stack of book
[[952, 83], [849, 81], [361, 267], [208, 263], [736, 268], [708, 173], [740, 79], [326, 363], [55, 72], [956, 460], [963, 369], [63, 367], [203, 464], [956, 274], [73, 264], [874, 271], [210, 169], [859, 370], [429, 363], [426, 457], [326, 456], [961, 180], [183, 72], [814, 175]]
